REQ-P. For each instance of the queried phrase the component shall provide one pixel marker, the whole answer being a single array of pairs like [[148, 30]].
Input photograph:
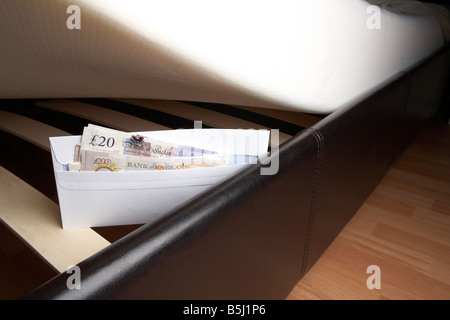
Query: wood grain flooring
[[403, 228]]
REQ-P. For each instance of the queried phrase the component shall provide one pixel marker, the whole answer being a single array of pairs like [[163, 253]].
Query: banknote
[[104, 149], [104, 161], [96, 138]]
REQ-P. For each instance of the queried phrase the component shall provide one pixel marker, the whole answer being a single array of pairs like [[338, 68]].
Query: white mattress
[[310, 56]]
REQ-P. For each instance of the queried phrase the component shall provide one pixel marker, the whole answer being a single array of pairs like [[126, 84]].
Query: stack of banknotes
[[104, 149]]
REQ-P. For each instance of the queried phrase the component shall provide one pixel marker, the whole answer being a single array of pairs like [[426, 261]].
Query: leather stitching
[[314, 195]]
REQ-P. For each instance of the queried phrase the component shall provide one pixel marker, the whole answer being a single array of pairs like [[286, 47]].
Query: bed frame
[[252, 236]]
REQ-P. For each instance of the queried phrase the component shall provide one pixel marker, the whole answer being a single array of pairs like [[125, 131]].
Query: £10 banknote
[[104, 161]]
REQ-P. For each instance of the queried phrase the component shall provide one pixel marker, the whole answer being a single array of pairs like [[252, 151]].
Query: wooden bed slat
[[192, 113], [106, 117], [163, 118], [298, 118], [36, 219], [208, 117], [29, 129]]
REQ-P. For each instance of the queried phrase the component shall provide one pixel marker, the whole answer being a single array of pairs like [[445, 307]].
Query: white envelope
[[91, 199]]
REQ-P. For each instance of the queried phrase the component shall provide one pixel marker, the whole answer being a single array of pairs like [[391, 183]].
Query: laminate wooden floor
[[403, 228]]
